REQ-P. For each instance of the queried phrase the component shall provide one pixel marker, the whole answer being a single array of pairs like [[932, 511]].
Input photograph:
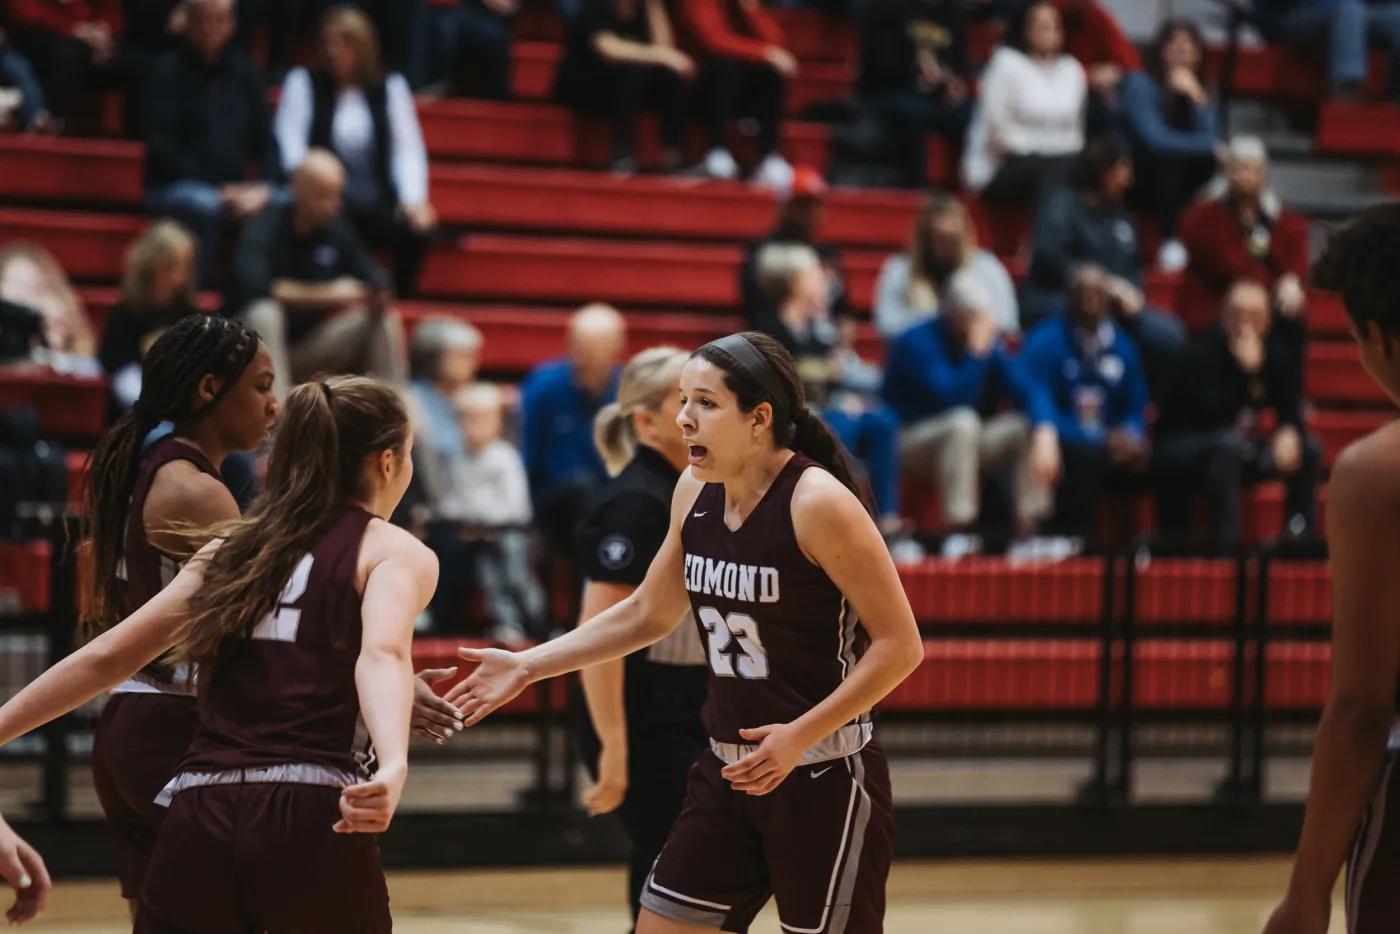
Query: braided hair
[[194, 347]]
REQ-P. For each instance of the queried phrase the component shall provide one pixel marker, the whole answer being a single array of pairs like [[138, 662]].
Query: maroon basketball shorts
[[1373, 873], [262, 857], [820, 843], [138, 743]]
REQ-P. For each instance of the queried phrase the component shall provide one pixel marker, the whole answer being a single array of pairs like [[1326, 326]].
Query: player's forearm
[[384, 683], [617, 631], [101, 664], [603, 693], [1347, 762], [884, 665]]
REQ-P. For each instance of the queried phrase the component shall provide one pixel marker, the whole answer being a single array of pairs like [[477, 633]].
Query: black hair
[[1361, 262], [1168, 29], [1098, 157], [795, 426], [195, 346], [1018, 23]]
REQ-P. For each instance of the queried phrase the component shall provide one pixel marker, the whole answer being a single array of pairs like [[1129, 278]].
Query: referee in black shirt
[[643, 730]]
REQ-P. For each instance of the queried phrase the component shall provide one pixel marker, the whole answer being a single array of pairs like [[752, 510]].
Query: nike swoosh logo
[[819, 774], [699, 514]]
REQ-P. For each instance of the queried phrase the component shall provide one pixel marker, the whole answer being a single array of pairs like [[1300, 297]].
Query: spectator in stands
[[30, 277], [368, 119], [969, 409], [1344, 28], [1210, 437], [1243, 231], [944, 243], [21, 95], [914, 74], [621, 58], [158, 288], [558, 402], [1089, 223], [1168, 115], [73, 45], [744, 70], [1089, 368], [799, 221], [472, 36], [844, 388], [1094, 38], [304, 281], [1029, 122], [205, 114]]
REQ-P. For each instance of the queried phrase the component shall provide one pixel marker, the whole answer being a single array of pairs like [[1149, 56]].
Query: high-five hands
[[433, 717], [498, 678]]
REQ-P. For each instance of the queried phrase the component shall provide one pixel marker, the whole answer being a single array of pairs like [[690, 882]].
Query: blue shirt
[[557, 429], [1271, 11], [927, 374], [1096, 384], [1142, 104]]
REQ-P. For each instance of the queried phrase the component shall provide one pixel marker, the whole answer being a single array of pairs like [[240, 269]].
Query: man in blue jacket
[[969, 409], [1091, 372]]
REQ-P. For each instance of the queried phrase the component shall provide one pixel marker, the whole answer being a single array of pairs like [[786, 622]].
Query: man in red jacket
[[745, 70], [67, 41]]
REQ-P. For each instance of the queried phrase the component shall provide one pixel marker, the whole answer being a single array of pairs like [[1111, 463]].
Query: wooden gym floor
[[1214, 896]]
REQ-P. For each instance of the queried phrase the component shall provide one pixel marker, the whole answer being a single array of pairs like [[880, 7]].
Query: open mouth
[[697, 453]]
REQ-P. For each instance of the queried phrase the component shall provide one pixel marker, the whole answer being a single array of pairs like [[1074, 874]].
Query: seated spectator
[[74, 45], [304, 281], [1094, 38], [914, 75], [158, 288], [1342, 29], [1243, 231], [1089, 367], [558, 403], [443, 359], [1089, 223], [21, 96], [944, 243], [969, 409], [744, 71], [1168, 115], [621, 58], [1208, 436], [1029, 123], [205, 115], [472, 36], [842, 387], [31, 278], [368, 119], [799, 222]]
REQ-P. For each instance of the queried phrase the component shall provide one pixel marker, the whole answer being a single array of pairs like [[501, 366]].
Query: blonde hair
[[66, 325], [645, 382], [479, 396], [778, 265], [360, 36], [922, 291], [155, 246]]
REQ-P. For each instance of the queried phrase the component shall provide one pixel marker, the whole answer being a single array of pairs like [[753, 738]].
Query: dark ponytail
[[195, 346], [757, 369]]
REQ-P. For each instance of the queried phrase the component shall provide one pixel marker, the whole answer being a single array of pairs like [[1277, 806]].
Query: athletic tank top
[[145, 570], [780, 637], [282, 704]]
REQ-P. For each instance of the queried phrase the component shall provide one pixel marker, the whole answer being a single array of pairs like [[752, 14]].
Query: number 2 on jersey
[[734, 644], [282, 623]]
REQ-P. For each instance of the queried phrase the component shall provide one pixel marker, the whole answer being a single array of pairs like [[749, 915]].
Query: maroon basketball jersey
[[780, 635], [285, 696], [145, 570]]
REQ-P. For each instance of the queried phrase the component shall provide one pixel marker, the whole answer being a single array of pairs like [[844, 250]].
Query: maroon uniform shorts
[[138, 743], [261, 857], [820, 843], [1373, 872]]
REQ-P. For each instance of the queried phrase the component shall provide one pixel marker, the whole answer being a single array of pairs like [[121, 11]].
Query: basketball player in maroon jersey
[[300, 617], [807, 628], [213, 379], [1353, 813]]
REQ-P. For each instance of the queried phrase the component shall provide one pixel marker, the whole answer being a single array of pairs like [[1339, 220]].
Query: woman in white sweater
[[347, 104], [1029, 122]]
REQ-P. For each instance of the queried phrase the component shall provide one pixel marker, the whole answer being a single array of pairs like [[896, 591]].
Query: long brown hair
[[923, 282], [795, 426], [328, 430], [194, 347], [360, 35]]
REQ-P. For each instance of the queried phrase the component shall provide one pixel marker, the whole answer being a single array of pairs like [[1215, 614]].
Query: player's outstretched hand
[[433, 717], [369, 806], [24, 869], [778, 753], [1299, 915], [498, 678]]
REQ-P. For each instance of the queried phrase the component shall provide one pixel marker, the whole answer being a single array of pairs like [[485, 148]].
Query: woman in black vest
[[367, 118]]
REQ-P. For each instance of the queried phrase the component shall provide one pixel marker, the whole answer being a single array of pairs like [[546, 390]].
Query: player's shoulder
[[688, 489], [1366, 476], [818, 489], [384, 541], [181, 491]]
